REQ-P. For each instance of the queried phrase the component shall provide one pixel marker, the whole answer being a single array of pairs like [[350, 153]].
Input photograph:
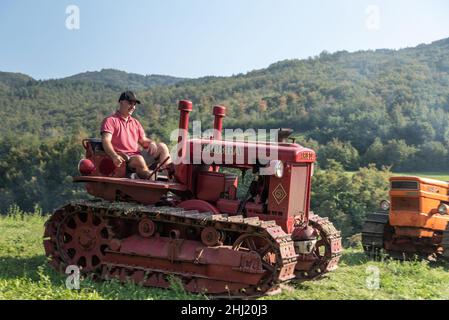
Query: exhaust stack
[[219, 113], [185, 107]]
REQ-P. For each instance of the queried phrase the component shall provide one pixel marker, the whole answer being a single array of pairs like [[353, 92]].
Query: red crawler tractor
[[194, 226]]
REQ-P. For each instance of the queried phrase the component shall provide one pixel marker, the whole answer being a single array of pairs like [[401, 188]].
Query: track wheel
[[327, 250], [376, 231], [82, 239], [265, 249]]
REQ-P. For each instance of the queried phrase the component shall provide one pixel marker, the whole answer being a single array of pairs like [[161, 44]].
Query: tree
[[342, 152], [347, 198], [399, 155], [374, 154], [432, 156]]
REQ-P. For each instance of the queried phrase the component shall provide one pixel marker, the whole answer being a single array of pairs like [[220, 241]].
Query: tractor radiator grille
[[408, 204], [404, 185]]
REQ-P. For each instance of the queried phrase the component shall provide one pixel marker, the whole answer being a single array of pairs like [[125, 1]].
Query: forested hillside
[[388, 107], [121, 79]]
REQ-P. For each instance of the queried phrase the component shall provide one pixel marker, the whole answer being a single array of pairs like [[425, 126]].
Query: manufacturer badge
[[279, 193]]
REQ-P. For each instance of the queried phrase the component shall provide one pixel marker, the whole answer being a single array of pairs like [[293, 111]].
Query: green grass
[[397, 280], [444, 176], [24, 274]]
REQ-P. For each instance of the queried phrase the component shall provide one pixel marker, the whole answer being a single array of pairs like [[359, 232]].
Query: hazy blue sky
[[192, 38]]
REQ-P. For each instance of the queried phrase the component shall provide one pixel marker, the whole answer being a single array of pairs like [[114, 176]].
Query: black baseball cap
[[129, 96]]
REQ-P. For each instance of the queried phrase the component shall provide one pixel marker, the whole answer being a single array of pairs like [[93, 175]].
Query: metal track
[[445, 243], [373, 232], [332, 235], [330, 241], [283, 245]]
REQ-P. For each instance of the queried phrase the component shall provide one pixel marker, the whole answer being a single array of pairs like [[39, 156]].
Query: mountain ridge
[[95, 76], [119, 78]]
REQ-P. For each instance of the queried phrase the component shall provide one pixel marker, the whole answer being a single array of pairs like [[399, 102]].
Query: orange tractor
[[195, 226], [413, 222]]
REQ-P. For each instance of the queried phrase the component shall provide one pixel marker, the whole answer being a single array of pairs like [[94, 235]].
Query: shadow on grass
[[35, 268], [444, 264], [20, 267]]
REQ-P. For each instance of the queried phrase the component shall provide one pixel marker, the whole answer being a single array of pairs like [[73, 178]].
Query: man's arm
[[106, 139], [145, 141], [148, 144]]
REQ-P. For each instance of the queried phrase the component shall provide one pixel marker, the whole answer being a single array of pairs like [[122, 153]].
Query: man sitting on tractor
[[122, 134]]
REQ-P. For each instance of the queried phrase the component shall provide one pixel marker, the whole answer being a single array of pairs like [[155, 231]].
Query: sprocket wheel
[[265, 249], [78, 238], [325, 259]]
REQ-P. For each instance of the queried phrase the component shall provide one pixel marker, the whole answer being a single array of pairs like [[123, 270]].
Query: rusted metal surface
[[211, 236], [258, 254], [77, 237], [326, 252], [255, 259], [147, 227]]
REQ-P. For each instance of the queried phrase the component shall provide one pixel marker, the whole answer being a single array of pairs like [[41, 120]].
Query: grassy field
[[24, 274], [433, 175], [444, 176]]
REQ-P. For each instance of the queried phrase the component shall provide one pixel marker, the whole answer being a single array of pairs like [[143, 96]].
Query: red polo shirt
[[125, 133]]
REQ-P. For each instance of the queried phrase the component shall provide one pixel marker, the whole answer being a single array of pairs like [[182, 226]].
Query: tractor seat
[[96, 144]]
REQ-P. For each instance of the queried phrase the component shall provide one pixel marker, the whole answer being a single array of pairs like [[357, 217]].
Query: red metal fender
[[200, 205], [188, 257]]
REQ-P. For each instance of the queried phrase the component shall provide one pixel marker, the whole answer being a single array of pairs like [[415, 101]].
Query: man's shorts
[[151, 155]]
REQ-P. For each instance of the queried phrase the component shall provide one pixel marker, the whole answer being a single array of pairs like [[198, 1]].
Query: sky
[[194, 38]]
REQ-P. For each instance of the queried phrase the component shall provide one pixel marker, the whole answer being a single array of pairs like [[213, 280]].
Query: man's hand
[[109, 149], [118, 160], [151, 148], [146, 142]]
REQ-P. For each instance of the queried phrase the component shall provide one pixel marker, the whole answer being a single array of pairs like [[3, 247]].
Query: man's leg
[[160, 151], [138, 163]]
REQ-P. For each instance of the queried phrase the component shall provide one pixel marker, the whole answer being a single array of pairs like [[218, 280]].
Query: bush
[[395, 153], [342, 152], [347, 198], [39, 172]]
